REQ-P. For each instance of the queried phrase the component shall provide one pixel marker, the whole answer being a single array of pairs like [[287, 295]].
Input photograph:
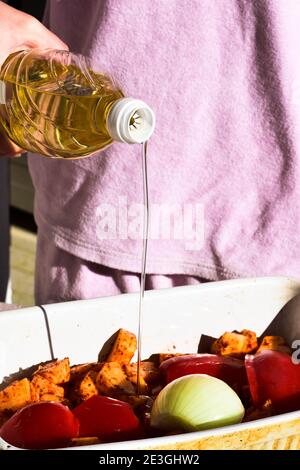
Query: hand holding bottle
[[19, 31], [53, 103]]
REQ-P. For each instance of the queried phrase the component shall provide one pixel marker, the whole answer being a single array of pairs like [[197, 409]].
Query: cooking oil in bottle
[[54, 104]]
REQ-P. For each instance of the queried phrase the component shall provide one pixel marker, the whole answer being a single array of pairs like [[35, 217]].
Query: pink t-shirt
[[223, 77]]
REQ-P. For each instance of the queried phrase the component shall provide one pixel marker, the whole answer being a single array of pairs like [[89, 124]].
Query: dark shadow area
[[205, 343], [22, 219], [32, 8], [4, 227], [287, 322]]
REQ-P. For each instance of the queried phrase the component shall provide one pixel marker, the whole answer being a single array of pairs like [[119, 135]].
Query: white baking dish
[[174, 320]]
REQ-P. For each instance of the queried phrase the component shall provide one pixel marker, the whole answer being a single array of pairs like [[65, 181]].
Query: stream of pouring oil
[[144, 259]]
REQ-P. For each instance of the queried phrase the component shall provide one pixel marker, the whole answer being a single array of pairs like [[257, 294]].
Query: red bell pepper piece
[[230, 370], [43, 425], [273, 376], [108, 419]]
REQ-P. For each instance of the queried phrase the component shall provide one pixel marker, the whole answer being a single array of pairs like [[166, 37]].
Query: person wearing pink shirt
[[223, 78]]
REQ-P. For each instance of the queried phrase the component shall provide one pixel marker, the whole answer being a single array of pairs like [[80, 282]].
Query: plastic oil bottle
[[54, 104]]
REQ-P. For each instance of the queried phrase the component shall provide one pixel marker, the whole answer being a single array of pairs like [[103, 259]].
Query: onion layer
[[195, 402]]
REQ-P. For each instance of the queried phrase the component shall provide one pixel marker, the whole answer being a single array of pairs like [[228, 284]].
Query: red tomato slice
[[108, 419], [43, 425], [273, 376], [230, 370]]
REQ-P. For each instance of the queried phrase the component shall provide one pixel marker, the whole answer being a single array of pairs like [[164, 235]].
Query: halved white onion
[[195, 402]]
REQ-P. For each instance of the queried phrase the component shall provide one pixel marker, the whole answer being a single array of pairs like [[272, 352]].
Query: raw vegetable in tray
[[240, 378]]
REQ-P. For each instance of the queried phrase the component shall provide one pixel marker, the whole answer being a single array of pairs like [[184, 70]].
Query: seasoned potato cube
[[275, 343], [41, 386], [57, 372], [149, 374], [148, 370], [131, 373], [87, 387], [15, 396], [123, 348], [112, 380], [84, 386], [52, 397], [235, 344], [76, 372], [35, 393]]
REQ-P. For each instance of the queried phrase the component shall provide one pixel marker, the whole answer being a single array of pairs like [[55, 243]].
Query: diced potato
[[42, 386], [123, 348], [148, 371], [15, 396], [76, 372], [112, 380], [235, 344], [84, 386], [57, 372], [87, 387], [52, 397], [132, 376], [149, 375], [35, 393], [275, 343]]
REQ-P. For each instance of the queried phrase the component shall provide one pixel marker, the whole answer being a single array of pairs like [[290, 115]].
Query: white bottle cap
[[131, 121]]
